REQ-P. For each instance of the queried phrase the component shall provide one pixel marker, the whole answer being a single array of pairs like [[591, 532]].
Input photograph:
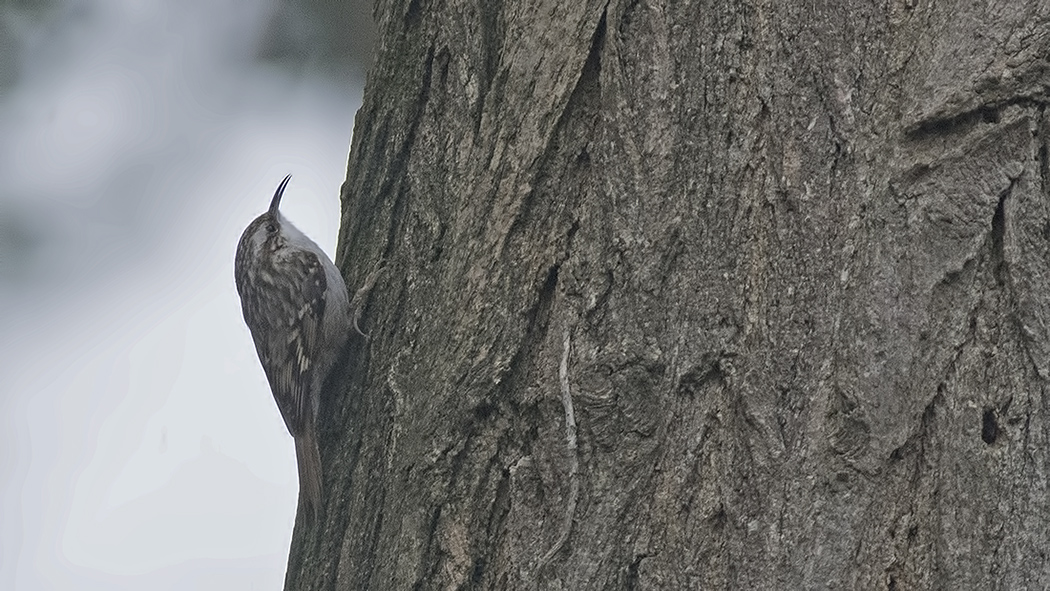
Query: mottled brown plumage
[[295, 304]]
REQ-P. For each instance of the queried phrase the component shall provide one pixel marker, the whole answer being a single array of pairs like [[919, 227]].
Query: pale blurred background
[[139, 445]]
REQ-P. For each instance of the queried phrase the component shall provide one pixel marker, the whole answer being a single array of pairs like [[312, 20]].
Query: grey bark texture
[[785, 263]]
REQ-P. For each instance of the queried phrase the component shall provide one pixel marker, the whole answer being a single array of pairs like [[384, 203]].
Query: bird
[[296, 306]]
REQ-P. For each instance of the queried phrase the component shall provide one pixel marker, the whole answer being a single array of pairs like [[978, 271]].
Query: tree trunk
[[728, 295]]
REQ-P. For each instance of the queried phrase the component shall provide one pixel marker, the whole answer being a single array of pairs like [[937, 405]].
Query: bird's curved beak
[[277, 195]]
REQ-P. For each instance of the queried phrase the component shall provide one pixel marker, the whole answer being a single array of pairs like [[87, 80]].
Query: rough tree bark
[[787, 259]]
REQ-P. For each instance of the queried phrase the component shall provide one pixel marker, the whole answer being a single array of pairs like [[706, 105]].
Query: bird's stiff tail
[[308, 457]]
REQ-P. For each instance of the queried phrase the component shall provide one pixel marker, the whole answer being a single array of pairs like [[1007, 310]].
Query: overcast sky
[[140, 447]]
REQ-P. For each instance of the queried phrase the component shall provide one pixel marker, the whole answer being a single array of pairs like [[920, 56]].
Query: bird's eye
[[271, 227]]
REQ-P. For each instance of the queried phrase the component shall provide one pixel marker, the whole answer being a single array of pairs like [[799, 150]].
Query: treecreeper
[[296, 306]]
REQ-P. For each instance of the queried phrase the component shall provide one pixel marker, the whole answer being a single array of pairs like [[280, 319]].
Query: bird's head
[[265, 231]]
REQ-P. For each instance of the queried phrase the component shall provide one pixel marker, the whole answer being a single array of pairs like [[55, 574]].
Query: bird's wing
[[294, 308]]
